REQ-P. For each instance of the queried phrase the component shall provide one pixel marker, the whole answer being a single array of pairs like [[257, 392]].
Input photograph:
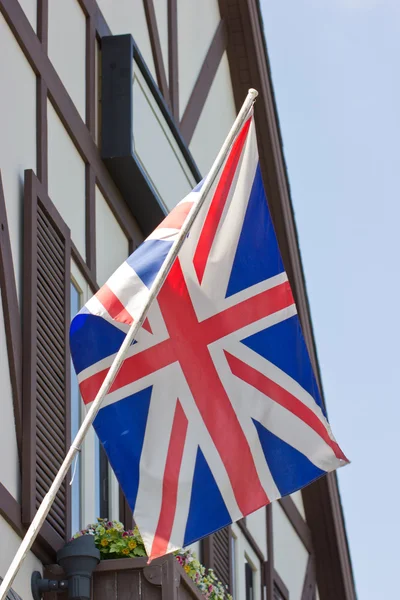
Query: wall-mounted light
[[78, 559]]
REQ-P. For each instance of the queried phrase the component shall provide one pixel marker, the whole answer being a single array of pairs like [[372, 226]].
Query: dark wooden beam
[[90, 76], [90, 218], [43, 23], [41, 96], [156, 49], [173, 67], [310, 582], [41, 136], [12, 317], [203, 83]]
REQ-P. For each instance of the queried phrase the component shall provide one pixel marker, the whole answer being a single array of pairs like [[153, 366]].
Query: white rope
[[77, 457]]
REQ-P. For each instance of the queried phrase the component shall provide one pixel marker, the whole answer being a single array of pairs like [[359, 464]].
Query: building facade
[[110, 113]]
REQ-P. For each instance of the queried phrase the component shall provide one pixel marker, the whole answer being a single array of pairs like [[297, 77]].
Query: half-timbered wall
[[50, 107]]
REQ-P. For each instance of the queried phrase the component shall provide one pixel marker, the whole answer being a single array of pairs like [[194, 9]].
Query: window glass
[[89, 489], [233, 566], [249, 581], [76, 492], [246, 568]]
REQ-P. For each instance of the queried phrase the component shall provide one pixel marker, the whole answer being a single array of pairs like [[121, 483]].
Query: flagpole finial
[[253, 93]]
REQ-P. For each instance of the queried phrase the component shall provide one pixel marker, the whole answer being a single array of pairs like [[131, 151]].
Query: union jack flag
[[216, 411]]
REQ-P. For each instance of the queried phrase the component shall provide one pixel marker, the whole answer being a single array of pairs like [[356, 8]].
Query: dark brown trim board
[[41, 136], [90, 217], [310, 582], [173, 69], [156, 49], [204, 82], [11, 315], [41, 97], [43, 23], [90, 75]]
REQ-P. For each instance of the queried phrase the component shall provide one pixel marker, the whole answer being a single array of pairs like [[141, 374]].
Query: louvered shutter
[[217, 555], [46, 363]]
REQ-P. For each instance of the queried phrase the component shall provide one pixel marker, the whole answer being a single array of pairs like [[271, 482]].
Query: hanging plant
[[114, 541]]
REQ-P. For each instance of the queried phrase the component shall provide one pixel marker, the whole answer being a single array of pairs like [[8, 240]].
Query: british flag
[[216, 410]]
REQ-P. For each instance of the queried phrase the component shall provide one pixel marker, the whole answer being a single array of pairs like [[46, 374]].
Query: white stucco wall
[[197, 24], [66, 179], [298, 500], [290, 555], [18, 133], [9, 468], [17, 153], [10, 542], [30, 9], [67, 48], [112, 246], [128, 16], [216, 119], [244, 553], [156, 148], [257, 525]]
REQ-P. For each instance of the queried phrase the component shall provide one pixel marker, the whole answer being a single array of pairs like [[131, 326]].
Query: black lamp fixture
[[78, 559]]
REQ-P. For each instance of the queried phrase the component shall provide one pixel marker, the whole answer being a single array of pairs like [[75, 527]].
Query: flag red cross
[[188, 344]]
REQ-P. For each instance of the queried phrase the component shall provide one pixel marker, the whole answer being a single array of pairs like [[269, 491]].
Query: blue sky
[[335, 68]]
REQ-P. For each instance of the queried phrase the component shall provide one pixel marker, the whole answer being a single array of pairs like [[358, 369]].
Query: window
[[246, 568], [233, 565], [76, 522], [89, 489], [249, 580]]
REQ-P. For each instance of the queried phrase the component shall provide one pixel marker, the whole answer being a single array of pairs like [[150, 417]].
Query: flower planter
[[134, 579]]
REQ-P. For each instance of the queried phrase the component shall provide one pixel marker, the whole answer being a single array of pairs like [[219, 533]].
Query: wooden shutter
[[46, 363], [217, 555]]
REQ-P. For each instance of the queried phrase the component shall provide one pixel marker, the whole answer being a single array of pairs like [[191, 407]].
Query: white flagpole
[[48, 500]]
